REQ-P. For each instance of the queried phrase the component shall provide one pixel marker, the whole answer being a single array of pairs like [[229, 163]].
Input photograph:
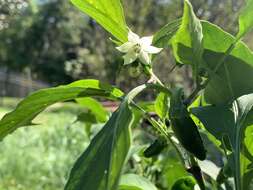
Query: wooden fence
[[18, 84]]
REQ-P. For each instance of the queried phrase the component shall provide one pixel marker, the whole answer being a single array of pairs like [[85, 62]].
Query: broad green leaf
[[99, 167], [110, 91], [161, 105], [108, 150], [240, 61], [218, 120], [108, 13], [189, 34], [95, 107], [31, 106], [246, 19], [222, 121], [172, 170], [135, 182], [216, 42], [163, 36]]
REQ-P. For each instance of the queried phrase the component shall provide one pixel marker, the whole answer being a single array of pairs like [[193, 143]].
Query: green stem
[[187, 159], [182, 153], [193, 95], [153, 76], [237, 175]]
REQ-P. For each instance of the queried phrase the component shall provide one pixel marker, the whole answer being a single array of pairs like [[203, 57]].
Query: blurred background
[[46, 43], [50, 42]]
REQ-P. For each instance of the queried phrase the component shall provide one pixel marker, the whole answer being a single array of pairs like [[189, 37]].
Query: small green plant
[[220, 106]]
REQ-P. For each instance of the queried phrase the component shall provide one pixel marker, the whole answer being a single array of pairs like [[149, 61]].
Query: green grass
[[40, 157]]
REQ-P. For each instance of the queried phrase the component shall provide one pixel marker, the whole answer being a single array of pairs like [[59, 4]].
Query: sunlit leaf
[[31, 106], [190, 35], [246, 19], [95, 107], [216, 42], [163, 36], [108, 13], [135, 182], [161, 105]]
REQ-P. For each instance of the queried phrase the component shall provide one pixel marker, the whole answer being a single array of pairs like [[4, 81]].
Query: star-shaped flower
[[137, 47]]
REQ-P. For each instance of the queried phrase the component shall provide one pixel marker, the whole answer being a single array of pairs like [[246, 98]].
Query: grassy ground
[[40, 157]]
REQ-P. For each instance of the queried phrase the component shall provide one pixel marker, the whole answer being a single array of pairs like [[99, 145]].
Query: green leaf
[[247, 168], [161, 105], [245, 19], [31, 106], [222, 121], [172, 169], [95, 107], [123, 187], [87, 118], [108, 13], [99, 167], [190, 34], [163, 36], [248, 180], [239, 61], [135, 182]]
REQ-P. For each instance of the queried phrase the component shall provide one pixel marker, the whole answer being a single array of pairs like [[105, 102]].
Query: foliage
[[40, 37], [50, 150], [223, 111]]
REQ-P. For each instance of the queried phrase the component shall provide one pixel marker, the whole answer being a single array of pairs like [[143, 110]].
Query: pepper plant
[[220, 106]]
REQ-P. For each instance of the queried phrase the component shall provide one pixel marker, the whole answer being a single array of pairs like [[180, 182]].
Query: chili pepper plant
[[219, 109]]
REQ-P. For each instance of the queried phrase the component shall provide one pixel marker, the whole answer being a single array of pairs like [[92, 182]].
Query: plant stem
[[155, 78], [187, 159], [184, 156], [193, 95], [172, 68]]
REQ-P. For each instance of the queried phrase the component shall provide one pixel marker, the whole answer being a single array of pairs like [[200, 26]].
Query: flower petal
[[144, 57], [146, 41], [132, 37], [152, 49], [124, 48], [130, 57]]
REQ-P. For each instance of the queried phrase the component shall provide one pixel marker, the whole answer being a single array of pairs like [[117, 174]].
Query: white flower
[[137, 47], [196, 187]]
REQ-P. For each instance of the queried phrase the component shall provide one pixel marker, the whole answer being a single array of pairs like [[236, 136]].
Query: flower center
[[137, 48]]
